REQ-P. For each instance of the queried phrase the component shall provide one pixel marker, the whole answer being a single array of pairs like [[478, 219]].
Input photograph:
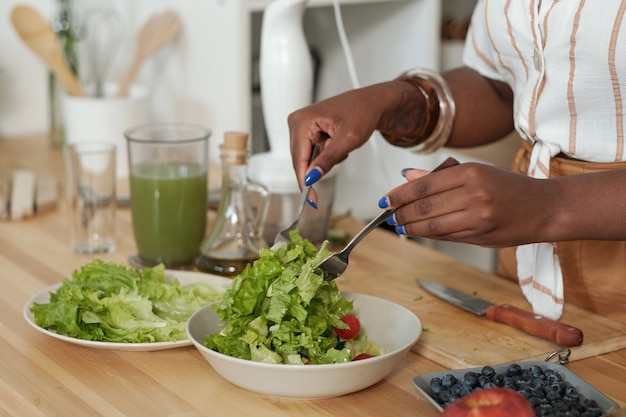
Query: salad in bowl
[[282, 330]]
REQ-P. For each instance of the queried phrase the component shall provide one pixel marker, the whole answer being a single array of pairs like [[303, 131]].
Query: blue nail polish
[[313, 176], [311, 203], [391, 220], [400, 230], [405, 170], [383, 203]]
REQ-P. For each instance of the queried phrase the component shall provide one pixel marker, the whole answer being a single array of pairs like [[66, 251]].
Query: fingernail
[[405, 170], [391, 220], [313, 176], [383, 202], [400, 230], [311, 203]]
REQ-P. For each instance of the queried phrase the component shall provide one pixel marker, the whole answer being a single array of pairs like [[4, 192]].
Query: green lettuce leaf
[[113, 303], [280, 310]]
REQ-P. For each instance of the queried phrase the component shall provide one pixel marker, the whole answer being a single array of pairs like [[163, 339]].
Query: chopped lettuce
[[113, 303], [280, 310]]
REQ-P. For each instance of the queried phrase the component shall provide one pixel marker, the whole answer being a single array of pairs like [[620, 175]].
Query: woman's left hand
[[471, 203]]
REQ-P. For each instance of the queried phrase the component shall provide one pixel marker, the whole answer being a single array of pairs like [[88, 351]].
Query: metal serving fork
[[283, 235], [336, 263]]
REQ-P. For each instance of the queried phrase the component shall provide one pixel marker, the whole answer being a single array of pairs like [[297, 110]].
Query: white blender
[[286, 75]]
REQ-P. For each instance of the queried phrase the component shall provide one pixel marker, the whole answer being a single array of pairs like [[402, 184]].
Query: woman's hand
[[339, 125], [471, 203]]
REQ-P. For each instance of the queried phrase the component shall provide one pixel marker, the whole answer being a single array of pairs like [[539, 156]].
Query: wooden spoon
[[157, 32], [37, 33]]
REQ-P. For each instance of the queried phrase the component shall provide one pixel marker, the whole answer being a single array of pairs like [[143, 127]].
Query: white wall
[[176, 76], [23, 107]]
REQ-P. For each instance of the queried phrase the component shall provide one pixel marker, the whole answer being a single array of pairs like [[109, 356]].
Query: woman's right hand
[[338, 125]]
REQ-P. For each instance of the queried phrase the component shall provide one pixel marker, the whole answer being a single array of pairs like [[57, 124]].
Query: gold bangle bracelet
[[439, 116]]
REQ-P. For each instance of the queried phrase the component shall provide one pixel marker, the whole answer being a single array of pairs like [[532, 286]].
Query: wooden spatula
[[37, 33], [157, 32]]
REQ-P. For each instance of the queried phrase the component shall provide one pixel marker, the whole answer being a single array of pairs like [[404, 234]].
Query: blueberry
[[488, 371], [448, 380], [587, 403], [465, 390], [513, 369], [456, 389], [470, 380], [443, 397], [534, 401], [535, 370], [472, 374], [483, 379], [497, 379], [525, 392], [554, 377], [507, 380], [436, 388], [560, 405], [538, 383], [523, 381], [558, 387], [544, 410], [553, 396]]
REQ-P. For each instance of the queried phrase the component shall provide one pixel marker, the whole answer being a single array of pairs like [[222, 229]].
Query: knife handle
[[536, 325]]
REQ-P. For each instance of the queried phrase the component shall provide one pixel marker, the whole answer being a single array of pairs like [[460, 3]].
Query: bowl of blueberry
[[550, 388]]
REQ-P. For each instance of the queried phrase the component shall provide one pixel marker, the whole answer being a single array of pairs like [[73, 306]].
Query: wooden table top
[[43, 376]]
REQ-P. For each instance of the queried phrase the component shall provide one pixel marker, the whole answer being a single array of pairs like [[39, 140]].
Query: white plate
[[184, 277]]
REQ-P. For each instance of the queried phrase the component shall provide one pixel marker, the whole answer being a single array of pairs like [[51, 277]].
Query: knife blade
[[531, 323]]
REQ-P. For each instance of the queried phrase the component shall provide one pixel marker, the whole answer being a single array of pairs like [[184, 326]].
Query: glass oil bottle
[[236, 236]]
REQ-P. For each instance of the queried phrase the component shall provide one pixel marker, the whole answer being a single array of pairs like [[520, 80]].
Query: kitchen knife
[[533, 324]]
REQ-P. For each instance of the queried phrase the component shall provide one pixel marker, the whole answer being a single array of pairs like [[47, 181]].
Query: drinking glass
[[168, 166], [91, 185]]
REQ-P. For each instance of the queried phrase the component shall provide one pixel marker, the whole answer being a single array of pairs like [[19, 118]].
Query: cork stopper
[[235, 148]]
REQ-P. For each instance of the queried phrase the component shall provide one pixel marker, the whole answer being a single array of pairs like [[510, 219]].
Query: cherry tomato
[[362, 356], [353, 329]]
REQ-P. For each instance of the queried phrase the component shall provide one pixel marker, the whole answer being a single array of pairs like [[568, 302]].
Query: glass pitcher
[[236, 236]]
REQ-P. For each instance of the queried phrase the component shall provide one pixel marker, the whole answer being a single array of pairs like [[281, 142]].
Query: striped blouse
[[566, 63]]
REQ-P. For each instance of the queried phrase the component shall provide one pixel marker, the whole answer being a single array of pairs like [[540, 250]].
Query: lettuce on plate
[[280, 310], [113, 303]]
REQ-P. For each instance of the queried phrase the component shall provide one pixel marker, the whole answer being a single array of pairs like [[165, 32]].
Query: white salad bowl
[[393, 327]]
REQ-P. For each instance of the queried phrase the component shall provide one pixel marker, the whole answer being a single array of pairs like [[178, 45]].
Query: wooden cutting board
[[459, 339]]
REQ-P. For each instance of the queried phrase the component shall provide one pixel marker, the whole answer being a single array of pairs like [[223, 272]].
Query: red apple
[[490, 402]]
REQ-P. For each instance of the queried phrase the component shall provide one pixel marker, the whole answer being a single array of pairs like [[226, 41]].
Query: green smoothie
[[168, 204]]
